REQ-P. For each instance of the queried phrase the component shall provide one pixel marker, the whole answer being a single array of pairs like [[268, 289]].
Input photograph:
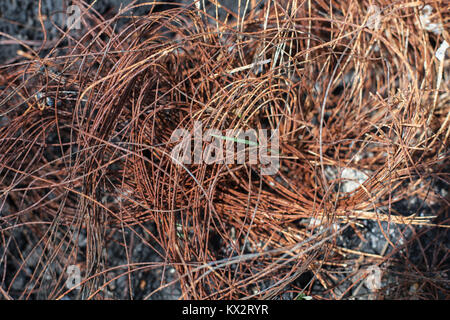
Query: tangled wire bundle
[[361, 106]]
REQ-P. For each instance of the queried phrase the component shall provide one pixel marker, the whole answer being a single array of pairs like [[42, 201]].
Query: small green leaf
[[303, 296], [244, 141]]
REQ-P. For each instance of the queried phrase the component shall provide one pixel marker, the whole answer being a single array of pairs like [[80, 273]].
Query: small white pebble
[[352, 179], [440, 53]]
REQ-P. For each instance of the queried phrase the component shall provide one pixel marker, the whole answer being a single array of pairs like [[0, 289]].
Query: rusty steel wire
[[86, 150]]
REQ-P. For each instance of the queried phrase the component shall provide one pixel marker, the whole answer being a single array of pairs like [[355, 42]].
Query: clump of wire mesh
[[355, 92]]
